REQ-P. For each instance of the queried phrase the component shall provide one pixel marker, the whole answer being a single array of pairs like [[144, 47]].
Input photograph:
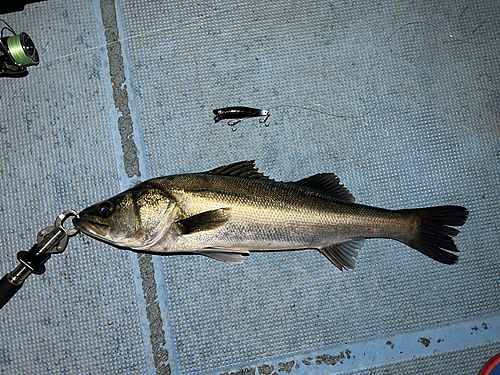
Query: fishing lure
[[239, 114]]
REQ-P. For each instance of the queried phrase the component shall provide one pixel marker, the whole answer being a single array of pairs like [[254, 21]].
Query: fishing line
[[393, 33], [235, 121], [305, 107], [192, 20], [343, 116], [451, 36], [204, 17]]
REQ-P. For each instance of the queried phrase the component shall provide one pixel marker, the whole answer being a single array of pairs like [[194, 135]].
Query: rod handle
[[7, 290]]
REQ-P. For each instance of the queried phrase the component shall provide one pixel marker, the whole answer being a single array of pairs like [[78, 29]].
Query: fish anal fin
[[328, 184], [205, 221], [343, 255], [225, 256], [243, 169]]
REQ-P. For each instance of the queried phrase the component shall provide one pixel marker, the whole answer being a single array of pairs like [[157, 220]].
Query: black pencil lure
[[239, 114]]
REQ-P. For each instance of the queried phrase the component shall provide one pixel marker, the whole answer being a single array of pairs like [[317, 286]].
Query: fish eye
[[105, 209]]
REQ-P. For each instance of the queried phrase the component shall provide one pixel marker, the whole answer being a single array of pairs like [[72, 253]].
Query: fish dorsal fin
[[343, 255], [204, 221], [244, 169], [326, 183]]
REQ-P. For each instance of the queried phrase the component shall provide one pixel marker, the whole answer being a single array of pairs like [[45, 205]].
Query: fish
[[230, 211]]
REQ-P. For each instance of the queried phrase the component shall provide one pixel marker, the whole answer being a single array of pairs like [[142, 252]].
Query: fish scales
[[268, 204], [232, 210]]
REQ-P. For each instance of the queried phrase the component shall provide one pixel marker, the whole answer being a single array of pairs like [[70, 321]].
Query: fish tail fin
[[434, 236]]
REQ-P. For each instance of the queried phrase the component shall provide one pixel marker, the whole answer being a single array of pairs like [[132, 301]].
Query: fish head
[[135, 219]]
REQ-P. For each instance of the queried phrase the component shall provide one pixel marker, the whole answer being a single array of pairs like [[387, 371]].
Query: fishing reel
[[17, 52]]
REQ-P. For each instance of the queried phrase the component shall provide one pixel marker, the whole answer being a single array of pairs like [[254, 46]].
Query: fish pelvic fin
[[343, 255], [204, 221], [434, 237]]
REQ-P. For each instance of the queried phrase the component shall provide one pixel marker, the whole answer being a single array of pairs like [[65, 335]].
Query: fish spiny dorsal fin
[[244, 169], [328, 184]]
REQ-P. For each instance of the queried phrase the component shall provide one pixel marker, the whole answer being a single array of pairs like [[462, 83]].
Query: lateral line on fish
[[272, 216]]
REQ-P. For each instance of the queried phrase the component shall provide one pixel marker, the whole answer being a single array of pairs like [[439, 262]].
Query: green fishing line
[[16, 50]]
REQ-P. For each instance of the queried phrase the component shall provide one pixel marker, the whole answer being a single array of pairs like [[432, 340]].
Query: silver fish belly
[[232, 210]]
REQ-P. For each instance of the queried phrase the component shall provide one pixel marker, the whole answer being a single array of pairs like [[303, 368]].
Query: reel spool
[[17, 52]]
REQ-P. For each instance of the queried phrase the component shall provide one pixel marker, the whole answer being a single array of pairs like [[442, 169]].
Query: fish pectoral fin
[[343, 255], [225, 256], [205, 221]]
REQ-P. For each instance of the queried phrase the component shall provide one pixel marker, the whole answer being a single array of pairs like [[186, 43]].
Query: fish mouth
[[91, 228]]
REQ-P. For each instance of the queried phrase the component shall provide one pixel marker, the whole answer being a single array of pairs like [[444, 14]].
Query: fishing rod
[[51, 240]]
